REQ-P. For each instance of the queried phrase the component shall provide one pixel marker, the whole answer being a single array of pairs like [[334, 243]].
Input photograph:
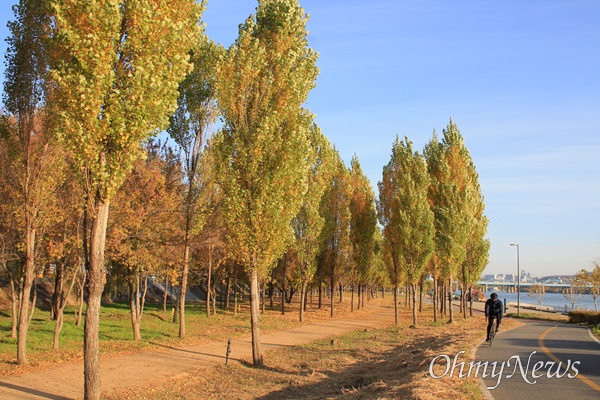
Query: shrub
[[584, 317]]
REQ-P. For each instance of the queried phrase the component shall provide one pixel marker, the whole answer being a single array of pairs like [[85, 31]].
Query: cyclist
[[493, 309]]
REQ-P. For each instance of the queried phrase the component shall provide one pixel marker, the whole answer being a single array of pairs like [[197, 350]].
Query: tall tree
[[595, 278], [449, 194], [409, 229], [265, 77], [336, 246], [115, 75], [309, 222], [189, 127], [433, 152], [363, 223], [478, 247], [35, 161], [590, 281]]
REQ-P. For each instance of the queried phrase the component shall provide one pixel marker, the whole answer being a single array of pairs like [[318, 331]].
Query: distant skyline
[[520, 79]]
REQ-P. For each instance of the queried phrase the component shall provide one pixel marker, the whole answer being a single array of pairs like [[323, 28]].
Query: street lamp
[[518, 281]]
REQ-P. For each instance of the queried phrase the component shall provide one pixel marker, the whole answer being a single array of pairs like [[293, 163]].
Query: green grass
[[540, 316], [596, 331], [116, 333]]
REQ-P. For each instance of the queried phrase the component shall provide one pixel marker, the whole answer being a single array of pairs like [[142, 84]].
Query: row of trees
[[431, 209], [583, 282], [266, 197]]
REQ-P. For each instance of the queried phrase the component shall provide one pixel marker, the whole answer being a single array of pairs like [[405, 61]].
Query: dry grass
[[389, 363]]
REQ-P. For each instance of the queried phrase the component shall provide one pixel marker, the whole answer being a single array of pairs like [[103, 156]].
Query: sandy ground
[[131, 371]]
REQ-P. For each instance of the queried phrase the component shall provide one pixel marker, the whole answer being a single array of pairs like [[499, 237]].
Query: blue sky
[[520, 79]]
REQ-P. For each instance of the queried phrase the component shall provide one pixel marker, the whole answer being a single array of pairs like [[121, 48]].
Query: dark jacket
[[494, 307]]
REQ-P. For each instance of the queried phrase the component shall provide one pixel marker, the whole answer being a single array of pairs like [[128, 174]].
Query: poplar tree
[[115, 75], [263, 81], [363, 223], [189, 127], [448, 164], [406, 216], [435, 167], [35, 162], [336, 246], [477, 247], [309, 222]]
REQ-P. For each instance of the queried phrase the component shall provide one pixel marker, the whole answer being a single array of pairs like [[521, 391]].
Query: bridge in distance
[[513, 285]]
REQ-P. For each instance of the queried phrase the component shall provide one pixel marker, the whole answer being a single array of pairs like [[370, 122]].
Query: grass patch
[[542, 316], [116, 334]]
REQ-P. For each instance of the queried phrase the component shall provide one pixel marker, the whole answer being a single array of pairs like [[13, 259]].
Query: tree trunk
[[213, 297], [96, 281], [320, 305], [341, 293], [33, 302], [208, 280], [305, 306], [283, 288], [133, 307], [450, 312], [25, 293], [470, 301], [435, 305], [352, 298], [13, 296], [272, 290], [235, 290], [183, 288], [228, 292], [367, 290], [302, 300], [257, 359], [442, 297], [165, 295], [414, 303], [57, 328], [61, 303], [58, 288], [332, 284], [421, 295], [464, 300], [396, 303], [262, 297], [80, 291]]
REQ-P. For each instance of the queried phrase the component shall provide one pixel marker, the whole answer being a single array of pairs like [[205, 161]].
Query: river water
[[552, 301]]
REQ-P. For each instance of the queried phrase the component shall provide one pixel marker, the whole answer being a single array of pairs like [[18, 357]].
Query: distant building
[[489, 277]]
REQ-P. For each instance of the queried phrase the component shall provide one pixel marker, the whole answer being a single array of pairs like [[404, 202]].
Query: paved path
[[66, 381], [548, 344]]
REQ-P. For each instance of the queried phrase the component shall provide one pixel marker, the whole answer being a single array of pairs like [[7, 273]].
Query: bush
[[584, 317]]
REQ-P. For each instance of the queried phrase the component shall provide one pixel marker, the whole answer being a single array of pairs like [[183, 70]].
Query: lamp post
[[518, 281]]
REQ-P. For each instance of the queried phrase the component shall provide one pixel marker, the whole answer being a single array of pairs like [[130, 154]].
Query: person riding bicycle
[[493, 309]]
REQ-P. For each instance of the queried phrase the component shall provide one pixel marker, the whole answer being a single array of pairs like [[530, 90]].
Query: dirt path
[[131, 371]]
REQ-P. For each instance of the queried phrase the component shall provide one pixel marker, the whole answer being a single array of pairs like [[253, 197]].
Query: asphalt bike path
[[541, 360], [135, 371]]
